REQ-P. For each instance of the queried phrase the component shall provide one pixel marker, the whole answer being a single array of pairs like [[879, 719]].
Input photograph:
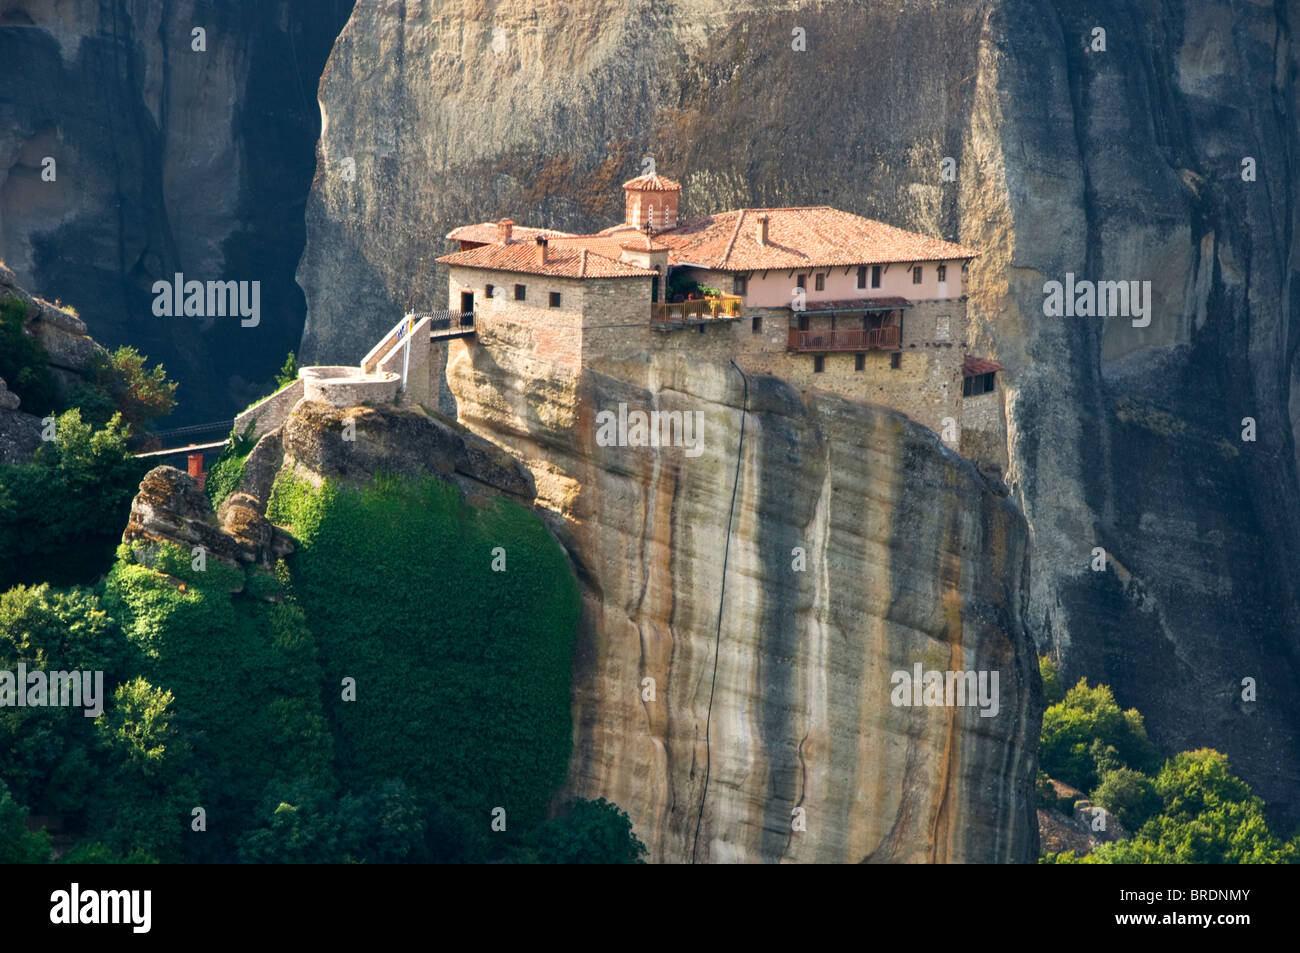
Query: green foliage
[[119, 382], [61, 514], [305, 825], [462, 673], [49, 754], [227, 473], [24, 362], [1087, 733], [1053, 689], [591, 832], [18, 845], [243, 673], [288, 373], [145, 800], [1130, 795], [95, 852], [1208, 816]]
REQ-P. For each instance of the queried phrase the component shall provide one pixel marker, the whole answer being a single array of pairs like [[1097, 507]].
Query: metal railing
[[716, 306]]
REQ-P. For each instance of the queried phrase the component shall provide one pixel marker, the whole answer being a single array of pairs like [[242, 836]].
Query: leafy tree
[[288, 373], [62, 514], [1053, 690], [18, 845], [591, 832], [120, 382], [48, 754], [1208, 816], [305, 825], [149, 791], [24, 362], [1087, 732], [1130, 795]]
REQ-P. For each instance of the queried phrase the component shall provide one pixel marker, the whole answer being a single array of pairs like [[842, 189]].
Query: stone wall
[[926, 385], [270, 412], [983, 430]]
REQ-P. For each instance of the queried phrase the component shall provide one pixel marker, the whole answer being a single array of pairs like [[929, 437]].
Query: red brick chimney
[[195, 461], [542, 247], [503, 231], [762, 229]]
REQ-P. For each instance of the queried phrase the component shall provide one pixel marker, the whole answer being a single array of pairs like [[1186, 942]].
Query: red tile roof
[[974, 366], [800, 238], [562, 261], [487, 232], [652, 183]]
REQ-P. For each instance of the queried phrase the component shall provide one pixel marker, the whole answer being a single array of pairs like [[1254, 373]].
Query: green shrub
[[17, 844], [1130, 795], [1087, 732], [1053, 689], [589, 832], [288, 373], [51, 760], [62, 514]]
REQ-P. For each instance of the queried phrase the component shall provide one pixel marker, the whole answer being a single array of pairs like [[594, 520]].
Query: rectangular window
[[487, 290], [875, 276], [819, 364], [943, 272], [979, 384], [916, 275], [801, 281], [756, 324], [821, 282], [738, 285], [803, 322], [520, 292], [862, 276], [859, 362], [555, 299], [895, 360]]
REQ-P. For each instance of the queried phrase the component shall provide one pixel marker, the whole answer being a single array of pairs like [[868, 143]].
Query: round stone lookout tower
[[652, 200]]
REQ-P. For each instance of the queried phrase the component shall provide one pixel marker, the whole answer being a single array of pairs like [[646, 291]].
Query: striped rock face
[[752, 588]]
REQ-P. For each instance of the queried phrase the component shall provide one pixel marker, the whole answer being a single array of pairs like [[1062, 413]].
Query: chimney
[[541, 250], [195, 461], [762, 230], [503, 231]]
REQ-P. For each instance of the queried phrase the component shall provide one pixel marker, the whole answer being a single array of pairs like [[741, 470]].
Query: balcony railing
[[719, 306], [849, 339]]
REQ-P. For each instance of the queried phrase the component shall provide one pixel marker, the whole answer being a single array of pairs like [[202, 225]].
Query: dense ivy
[[461, 672]]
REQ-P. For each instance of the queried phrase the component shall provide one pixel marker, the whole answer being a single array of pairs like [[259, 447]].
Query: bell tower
[[652, 201]]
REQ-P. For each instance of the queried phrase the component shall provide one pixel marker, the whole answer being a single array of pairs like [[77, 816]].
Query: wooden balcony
[[849, 339], [720, 306]]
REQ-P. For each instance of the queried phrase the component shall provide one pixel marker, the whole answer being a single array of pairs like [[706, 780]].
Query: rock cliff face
[[768, 581], [166, 159], [1122, 163], [71, 352]]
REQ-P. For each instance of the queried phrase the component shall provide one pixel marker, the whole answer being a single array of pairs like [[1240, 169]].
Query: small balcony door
[[466, 302]]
